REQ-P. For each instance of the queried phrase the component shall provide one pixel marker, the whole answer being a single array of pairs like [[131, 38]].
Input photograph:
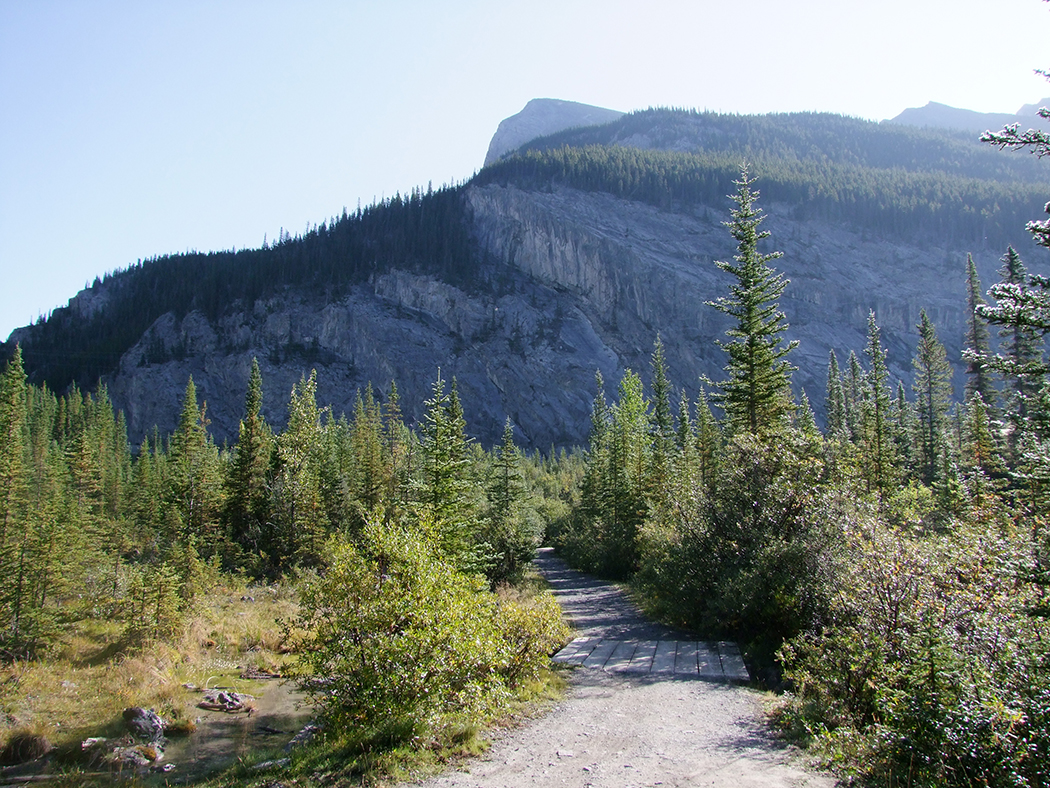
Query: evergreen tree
[[879, 447], [446, 495], [301, 524], [507, 534], [1018, 313], [661, 423], [835, 400], [247, 483], [628, 458], [592, 493], [708, 440], [399, 443], [195, 478], [854, 388], [757, 394], [933, 392], [14, 440], [976, 348], [13, 445]]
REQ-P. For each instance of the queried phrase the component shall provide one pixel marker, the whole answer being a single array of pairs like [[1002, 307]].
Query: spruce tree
[[757, 394], [879, 453], [661, 422], [13, 444], [14, 440], [835, 400], [302, 524], [195, 478], [976, 348], [933, 392], [445, 494], [247, 482]]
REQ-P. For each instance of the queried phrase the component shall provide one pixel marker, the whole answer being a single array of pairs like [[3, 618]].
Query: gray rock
[[144, 724]]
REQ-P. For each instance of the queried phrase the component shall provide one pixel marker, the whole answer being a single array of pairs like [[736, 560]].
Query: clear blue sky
[[135, 128]]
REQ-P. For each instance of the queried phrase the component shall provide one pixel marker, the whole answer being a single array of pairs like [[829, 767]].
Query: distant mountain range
[[568, 253], [935, 115]]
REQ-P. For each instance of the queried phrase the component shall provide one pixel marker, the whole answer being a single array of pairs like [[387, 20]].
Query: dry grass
[[96, 673]]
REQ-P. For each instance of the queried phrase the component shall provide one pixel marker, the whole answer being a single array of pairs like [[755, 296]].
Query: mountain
[[568, 257], [541, 117], [942, 116]]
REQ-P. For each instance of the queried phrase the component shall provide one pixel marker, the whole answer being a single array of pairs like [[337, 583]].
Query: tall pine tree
[[757, 395]]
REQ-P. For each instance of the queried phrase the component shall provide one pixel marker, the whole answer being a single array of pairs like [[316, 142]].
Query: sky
[[144, 127]]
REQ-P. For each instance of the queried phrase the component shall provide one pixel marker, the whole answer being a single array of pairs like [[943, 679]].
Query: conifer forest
[[887, 572]]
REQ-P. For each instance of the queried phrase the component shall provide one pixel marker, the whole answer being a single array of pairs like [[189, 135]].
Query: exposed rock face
[[540, 118], [585, 281], [943, 116]]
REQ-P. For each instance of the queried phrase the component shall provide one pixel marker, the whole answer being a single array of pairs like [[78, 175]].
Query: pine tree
[[757, 395], [301, 522], [854, 388], [13, 444], [247, 483], [976, 348], [592, 493], [628, 458], [445, 495], [933, 392], [708, 441], [14, 492], [1020, 360], [835, 400], [661, 422], [879, 446], [195, 478]]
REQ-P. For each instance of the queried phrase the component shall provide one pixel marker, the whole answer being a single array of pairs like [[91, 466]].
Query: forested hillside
[[522, 262]]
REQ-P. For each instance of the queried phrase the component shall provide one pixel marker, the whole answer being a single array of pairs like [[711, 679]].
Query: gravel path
[[614, 730]]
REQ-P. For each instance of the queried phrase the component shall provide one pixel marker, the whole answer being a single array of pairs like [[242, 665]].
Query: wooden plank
[[732, 663], [663, 660], [685, 661], [642, 661], [576, 651], [601, 653], [621, 657], [708, 662]]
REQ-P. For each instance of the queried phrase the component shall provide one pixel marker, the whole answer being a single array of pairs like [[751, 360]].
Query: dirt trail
[[615, 730]]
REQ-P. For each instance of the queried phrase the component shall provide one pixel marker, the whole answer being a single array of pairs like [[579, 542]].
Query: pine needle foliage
[[757, 394]]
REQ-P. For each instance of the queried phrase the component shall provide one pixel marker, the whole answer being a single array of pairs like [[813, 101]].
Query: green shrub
[[930, 668], [391, 634]]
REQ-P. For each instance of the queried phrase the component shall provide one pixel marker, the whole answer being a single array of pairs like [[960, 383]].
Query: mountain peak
[[541, 117], [939, 115]]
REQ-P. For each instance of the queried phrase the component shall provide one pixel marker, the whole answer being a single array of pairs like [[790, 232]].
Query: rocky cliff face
[[583, 282]]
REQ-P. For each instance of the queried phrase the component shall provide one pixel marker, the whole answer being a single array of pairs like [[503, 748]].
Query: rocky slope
[[569, 282], [589, 281]]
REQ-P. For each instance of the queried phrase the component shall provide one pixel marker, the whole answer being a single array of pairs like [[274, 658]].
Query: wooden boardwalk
[[713, 661]]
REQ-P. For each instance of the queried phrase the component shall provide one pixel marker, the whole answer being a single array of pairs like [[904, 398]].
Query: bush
[[391, 636], [746, 560], [930, 667]]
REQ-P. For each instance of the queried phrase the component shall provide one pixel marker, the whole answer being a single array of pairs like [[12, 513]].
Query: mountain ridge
[[567, 258]]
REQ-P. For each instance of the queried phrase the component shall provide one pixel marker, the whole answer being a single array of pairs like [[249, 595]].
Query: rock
[[144, 724], [140, 755], [280, 763], [304, 736], [227, 701]]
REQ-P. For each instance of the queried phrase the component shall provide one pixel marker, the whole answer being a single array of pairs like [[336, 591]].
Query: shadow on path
[[597, 608]]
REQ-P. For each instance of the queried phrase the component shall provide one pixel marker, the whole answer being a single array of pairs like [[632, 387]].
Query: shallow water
[[221, 738]]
